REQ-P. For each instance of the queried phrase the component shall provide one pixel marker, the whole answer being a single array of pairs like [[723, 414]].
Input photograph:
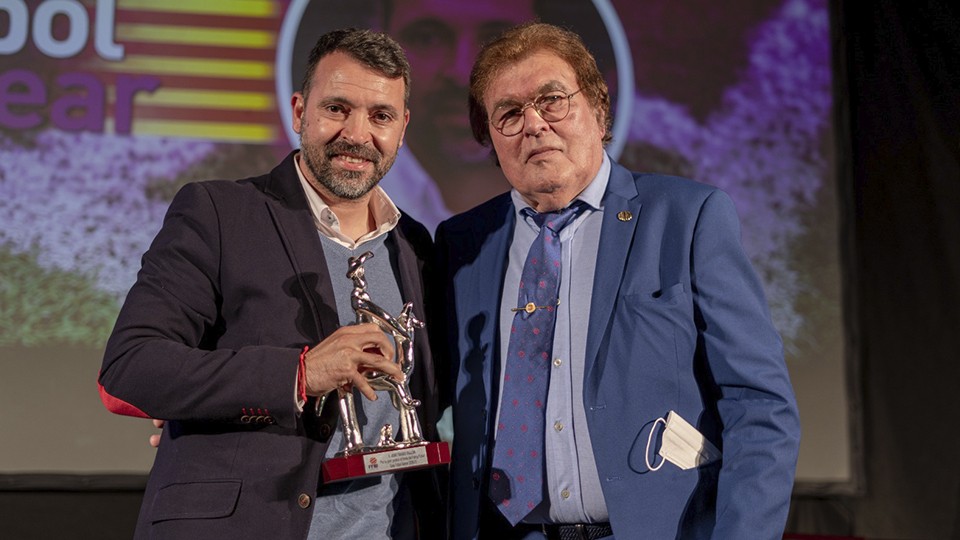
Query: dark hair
[[375, 50], [517, 44]]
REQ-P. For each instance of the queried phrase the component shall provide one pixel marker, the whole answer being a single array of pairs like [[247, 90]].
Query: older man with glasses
[[615, 369]]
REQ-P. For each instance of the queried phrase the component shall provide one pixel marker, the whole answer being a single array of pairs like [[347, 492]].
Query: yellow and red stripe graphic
[[214, 61]]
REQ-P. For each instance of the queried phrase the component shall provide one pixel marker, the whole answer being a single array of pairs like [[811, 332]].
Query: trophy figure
[[409, 450]]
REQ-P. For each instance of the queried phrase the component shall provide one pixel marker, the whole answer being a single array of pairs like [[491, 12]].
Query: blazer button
[[325, 430], [303, 500]]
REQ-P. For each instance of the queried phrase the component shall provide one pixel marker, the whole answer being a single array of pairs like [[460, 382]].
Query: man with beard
[[241, 320]]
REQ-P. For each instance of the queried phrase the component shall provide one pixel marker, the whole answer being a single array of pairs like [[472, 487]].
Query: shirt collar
[[385, 214]]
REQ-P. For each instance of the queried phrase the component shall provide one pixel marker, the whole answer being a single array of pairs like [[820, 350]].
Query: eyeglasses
[[552, 107]]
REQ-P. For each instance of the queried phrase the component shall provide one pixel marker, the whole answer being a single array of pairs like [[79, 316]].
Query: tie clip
[[531, 307]]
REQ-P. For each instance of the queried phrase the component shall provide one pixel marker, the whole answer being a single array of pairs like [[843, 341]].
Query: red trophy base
[[385, 461]]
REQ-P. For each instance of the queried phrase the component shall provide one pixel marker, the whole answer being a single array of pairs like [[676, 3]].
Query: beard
[[349, 185]]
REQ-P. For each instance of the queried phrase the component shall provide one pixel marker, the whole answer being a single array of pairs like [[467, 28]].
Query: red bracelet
[[302, 376]]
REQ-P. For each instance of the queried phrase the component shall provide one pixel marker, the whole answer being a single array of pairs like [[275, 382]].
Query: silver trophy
[[409, 450]]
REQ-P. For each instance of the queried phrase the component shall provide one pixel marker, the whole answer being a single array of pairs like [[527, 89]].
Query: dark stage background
[[885, 215], [901, 62]]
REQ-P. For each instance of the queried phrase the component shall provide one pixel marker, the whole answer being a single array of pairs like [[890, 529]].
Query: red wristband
[[302, 376]]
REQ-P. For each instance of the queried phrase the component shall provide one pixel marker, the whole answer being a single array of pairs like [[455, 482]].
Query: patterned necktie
[[516, 479]]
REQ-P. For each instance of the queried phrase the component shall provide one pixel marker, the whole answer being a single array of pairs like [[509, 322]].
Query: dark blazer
[[678, 321], [233, 287]]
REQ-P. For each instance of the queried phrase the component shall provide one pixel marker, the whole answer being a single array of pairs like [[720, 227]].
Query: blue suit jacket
[[678, 321]]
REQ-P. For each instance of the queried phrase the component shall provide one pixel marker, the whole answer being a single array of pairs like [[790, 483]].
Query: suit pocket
[[666, 296], [657, 322], [650, 343], [196, 500]]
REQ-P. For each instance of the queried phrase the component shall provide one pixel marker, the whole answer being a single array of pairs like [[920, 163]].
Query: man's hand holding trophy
[[409, 450]]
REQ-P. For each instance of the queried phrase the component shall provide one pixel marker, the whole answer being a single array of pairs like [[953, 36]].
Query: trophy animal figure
[[402, 329]]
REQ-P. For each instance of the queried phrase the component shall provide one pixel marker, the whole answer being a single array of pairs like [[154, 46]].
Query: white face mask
[[681, 444]]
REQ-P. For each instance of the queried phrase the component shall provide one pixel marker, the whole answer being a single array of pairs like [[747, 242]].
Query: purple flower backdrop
[[78, 201], [764, 145]]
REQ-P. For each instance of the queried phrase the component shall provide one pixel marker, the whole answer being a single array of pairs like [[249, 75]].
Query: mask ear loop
[[646, 453]]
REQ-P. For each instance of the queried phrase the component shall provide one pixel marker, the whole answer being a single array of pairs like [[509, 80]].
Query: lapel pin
[[624, 215]]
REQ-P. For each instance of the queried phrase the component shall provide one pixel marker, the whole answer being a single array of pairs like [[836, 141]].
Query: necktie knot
[[556, 220]]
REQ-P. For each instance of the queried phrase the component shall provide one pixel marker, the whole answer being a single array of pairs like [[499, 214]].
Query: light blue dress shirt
[[573, 485]]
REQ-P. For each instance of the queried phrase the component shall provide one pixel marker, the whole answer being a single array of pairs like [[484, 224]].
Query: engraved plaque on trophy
[[392, 452]]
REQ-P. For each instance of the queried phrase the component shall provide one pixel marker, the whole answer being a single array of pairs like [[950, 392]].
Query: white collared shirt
[[385, 213]]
